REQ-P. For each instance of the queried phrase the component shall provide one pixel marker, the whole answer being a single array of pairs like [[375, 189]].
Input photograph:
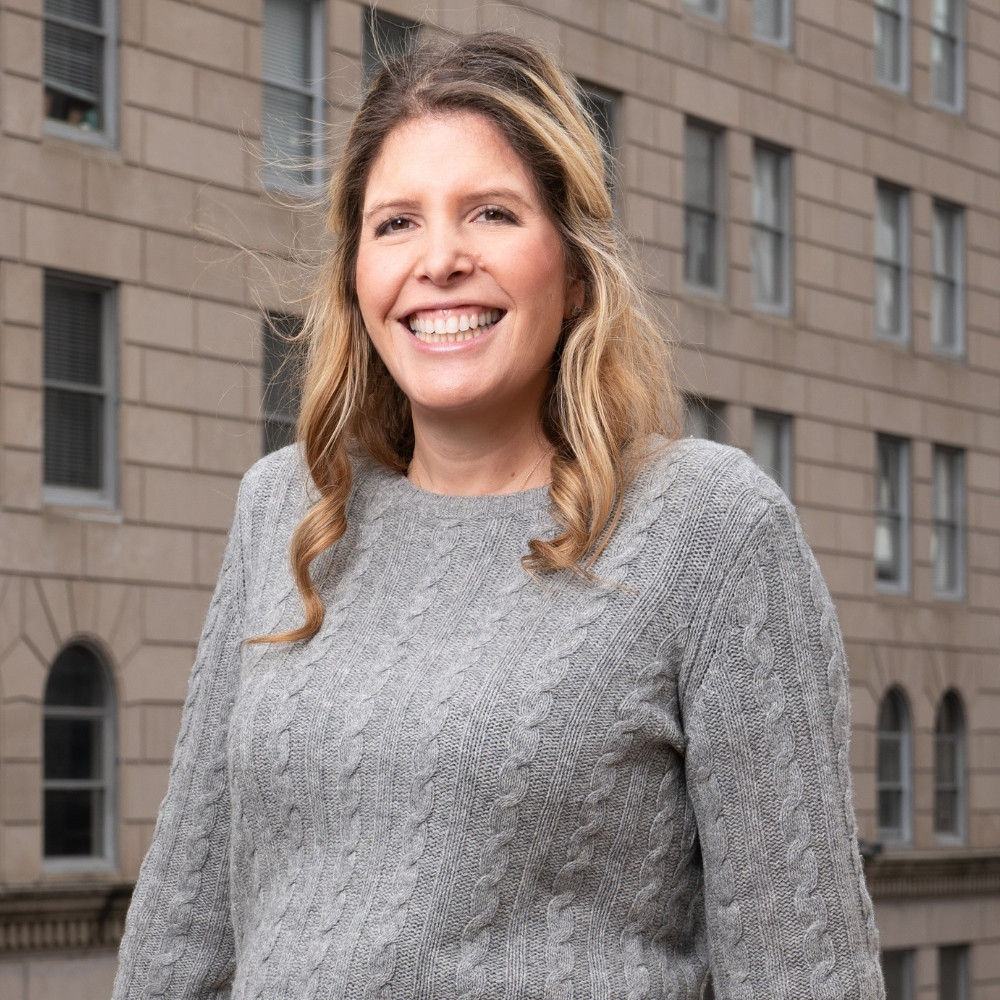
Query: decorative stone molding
[[64, 916], [900, 874]]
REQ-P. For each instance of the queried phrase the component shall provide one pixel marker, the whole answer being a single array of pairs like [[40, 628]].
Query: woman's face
[[461, 275]]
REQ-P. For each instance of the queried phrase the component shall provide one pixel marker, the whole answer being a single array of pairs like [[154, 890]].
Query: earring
[[575, 311]]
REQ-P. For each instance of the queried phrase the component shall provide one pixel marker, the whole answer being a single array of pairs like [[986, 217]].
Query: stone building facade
[[815, 188]]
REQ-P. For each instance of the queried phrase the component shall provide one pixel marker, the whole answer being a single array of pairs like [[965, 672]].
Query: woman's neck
[[463, 460]]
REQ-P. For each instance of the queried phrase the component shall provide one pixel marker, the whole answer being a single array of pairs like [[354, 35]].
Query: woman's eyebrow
[[408, 205]]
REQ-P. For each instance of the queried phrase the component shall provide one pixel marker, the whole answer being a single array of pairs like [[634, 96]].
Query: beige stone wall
[[165, 214]]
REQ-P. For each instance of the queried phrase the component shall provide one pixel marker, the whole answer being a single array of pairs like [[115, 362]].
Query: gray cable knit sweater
[[475, 784]]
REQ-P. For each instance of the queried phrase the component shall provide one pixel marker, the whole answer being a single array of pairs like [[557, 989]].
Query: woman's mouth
[[455, 327]]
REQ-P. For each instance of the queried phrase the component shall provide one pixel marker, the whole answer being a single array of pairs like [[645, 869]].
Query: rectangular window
[[772, 446], [281, 373], [385, 36], [892, 263], [947, 45], [772, 21], [953, 972], [703, 208], [710, 8], [892, 513], [947, 313], [947, 539], [80, 397], [771, 251], [602, 106], [293, 106], [705, 418], [80, 68], [892, 49], [897, 968]]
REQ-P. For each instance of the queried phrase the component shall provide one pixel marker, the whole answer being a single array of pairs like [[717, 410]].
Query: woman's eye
[[397, 224], [495, 214]]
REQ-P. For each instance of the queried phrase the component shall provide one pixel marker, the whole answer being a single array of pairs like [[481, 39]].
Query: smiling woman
[[504, 691]]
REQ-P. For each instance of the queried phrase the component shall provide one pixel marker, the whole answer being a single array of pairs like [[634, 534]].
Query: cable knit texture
[[472, 783]]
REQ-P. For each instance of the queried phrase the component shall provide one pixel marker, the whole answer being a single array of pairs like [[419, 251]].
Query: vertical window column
[[893, 769], [293, 106], [892, 513], [771, 250], [80, 348], [79, 766], [80, 68], [947, 314], [703, 176], [892, 263], [947, 43], [949, 769], [892, 49], [948, 503]]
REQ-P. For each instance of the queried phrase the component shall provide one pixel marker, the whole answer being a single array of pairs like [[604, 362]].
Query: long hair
[[611, 389]]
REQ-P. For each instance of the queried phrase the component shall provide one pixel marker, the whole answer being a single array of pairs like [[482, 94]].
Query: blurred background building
[[815, 188]]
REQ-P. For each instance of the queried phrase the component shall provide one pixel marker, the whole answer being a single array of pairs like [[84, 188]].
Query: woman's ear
[[574, 298]]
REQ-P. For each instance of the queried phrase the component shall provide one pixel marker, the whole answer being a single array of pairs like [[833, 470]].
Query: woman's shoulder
[[280, 471], [705, 473]]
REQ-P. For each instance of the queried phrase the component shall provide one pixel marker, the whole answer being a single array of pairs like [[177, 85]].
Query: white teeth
[[453, 329]]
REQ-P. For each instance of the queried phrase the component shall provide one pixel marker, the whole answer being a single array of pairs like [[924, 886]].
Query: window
[[771, 258], [292, 102], [893, 769], [947, 541], [710, 8], [772, 21], [80, 400], [79, 763], [385, 36], [281, 373], [892, 50], [897, 968], [949, 769], [953, 972], [947, 319], [772, 446], [892, 513], [892, 263], [602, 106], [80, 68], [705, 418], [947, 26], [703, 186]]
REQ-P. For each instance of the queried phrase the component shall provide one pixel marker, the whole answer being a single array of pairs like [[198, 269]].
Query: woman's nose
[[444, 255]]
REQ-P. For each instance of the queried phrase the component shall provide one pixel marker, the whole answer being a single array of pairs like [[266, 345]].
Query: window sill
[[71, 134], [68, 507]]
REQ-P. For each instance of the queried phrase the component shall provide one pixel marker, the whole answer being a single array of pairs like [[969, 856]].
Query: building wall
[[175, 214]]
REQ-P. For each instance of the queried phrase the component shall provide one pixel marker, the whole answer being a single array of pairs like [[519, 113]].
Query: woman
[[499, 694]]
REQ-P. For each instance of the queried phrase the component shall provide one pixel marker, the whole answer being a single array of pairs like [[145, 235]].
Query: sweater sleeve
[[766, 715], [178, 940]]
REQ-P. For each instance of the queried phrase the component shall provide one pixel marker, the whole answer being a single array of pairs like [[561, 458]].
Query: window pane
[[953, 972], [888, 57], [287, 30], [890, 810], [699, 248], [76, 679], [73, 749], [768, 19], [890, 759], [84, 11], [766, 188], [384, 37], [287, 134], [944, 16], [73, 348], [888, 300], [602, 109], [699, 168], [888, 225], [767, 267], [897, 968], [74, 439], [944, 69], [74, 822]]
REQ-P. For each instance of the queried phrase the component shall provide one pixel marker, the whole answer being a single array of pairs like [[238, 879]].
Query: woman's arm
[[766, 714], [178, 940]]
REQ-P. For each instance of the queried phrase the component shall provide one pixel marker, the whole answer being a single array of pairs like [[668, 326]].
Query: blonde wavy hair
[[611, 389]]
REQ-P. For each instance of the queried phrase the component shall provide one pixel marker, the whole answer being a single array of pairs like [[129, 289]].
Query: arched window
[[79, 762], [893, 777], [949, 769]]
